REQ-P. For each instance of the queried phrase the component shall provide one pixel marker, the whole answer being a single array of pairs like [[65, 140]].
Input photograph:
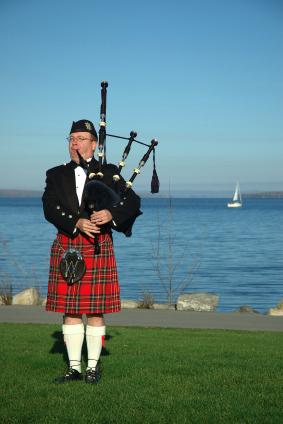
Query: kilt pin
[[97, 292]]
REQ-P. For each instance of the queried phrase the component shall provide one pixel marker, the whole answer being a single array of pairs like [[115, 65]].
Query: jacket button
[[57, 207], [70, 216], [63, 213]]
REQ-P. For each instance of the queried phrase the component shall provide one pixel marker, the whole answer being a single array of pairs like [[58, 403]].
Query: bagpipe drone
[[98, 195]]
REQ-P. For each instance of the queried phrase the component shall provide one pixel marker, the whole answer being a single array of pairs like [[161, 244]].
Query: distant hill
[[20, 193], [265, 194], [181, 194]]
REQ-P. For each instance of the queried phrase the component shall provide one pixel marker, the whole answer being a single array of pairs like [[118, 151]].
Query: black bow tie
[[87, 166], [83, 164]]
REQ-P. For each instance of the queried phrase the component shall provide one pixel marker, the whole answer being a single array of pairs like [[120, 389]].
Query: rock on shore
[[197, 302], [27, 297], [163, 306], [129, 304], [277, 311], [246, 309]]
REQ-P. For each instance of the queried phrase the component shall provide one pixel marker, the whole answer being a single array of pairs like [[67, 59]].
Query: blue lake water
[[195, 245]]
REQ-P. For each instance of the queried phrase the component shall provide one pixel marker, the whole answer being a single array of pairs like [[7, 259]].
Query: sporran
[[72, 266]]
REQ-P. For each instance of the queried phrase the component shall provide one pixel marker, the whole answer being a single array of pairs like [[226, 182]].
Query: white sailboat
[[237, 198]]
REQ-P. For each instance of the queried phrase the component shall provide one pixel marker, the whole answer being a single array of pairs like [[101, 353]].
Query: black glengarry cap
[[83, 126]]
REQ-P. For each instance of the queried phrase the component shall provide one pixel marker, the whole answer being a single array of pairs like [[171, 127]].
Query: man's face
[[82, 142]]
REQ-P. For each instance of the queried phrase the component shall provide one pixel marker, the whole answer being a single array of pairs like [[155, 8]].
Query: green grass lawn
[[149, 376]]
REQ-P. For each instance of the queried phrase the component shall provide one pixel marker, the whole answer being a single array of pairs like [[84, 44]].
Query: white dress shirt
[[80, 182]]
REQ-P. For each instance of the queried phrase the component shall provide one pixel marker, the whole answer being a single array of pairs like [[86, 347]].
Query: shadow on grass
[[60, 348]]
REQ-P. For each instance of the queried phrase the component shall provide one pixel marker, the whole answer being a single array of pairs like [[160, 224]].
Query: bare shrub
[[7, 283], [165, 261], [147, 301], [6, 292]]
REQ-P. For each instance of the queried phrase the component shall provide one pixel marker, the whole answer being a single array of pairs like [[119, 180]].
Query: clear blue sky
[[204, 77]]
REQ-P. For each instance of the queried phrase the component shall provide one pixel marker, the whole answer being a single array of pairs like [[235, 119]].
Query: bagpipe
[[98, 195]]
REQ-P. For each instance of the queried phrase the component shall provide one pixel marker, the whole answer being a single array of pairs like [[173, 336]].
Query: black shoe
[[92, 375], [71, 375]]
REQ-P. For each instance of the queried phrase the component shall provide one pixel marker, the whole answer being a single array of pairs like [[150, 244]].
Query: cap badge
[[88, 126]]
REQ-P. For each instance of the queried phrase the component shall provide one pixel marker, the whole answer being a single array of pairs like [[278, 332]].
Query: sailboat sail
[[236, 197]]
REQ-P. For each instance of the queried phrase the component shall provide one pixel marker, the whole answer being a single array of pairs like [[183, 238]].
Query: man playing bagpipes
[[97, 292]]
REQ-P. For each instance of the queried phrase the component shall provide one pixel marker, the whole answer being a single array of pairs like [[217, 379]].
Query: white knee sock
[[74, 337], [94, 338]]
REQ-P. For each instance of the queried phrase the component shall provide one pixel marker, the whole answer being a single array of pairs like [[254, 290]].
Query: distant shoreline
[[265, 195], [20, 193], [213, 194]]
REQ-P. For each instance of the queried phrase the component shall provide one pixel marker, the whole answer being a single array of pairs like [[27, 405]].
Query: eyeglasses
[[80, 139]]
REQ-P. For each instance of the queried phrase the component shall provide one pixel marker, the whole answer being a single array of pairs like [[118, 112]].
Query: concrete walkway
[[153, 318]]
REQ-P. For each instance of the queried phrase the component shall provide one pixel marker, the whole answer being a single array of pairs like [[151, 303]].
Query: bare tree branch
[[171, 287]]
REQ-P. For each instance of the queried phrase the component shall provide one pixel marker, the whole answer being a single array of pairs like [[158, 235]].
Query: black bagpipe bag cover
[[99, 196]]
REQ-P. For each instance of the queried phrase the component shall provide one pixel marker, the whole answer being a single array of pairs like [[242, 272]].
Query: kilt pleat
[[97, 292]]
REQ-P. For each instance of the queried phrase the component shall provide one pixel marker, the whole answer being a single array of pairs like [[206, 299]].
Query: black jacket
[[61, 206]]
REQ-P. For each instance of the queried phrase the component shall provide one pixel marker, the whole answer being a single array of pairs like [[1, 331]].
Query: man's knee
[[95, 320], [72, 319]]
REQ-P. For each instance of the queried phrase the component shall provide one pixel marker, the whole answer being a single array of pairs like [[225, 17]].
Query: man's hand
[[87, 227], [101, 217]]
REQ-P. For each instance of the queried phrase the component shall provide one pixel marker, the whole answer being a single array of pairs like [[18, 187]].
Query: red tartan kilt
[[98, 291]]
